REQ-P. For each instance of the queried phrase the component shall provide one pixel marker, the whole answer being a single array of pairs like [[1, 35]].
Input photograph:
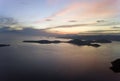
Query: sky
[[62, 16]]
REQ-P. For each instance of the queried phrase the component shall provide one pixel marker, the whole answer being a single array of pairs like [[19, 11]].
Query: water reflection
[[57, 62]]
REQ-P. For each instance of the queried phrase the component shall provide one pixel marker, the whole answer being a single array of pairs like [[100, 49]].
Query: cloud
[[67, 10], [10, 22], [103, 8], [97, 23], [108, 23], [72, 21], [96, 11], [70, 26], [101, 21], [26, 31], [7, 21], [116, 27], [85, 9], [103, 31], [48, 19]]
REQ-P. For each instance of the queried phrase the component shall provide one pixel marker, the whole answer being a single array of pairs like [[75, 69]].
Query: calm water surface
[[56, 62]]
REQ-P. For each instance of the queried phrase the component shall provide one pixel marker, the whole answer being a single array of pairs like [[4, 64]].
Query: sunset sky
[[62, 16]]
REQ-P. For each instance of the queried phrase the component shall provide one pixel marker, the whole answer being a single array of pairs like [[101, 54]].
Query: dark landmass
[[83, 42], [92, 37], [44, 41], [99, 41], [4, 45], [93, 43], [102, 41], [77, 42], [115, 66]]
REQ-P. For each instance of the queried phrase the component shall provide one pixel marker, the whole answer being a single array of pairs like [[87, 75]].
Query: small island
[[115, 66], [83, 42], [4, 45], [43, 41]]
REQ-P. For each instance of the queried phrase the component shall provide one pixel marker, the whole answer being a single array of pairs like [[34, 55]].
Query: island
[[44, 41], [115, 66], [4, 45], [77, 42], [83, 42]]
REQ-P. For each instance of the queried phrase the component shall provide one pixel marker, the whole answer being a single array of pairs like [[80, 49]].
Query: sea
[[56, 62]]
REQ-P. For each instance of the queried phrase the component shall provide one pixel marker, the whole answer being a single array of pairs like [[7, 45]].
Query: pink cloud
[[86, 9], [68, 9], [104, 8]]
